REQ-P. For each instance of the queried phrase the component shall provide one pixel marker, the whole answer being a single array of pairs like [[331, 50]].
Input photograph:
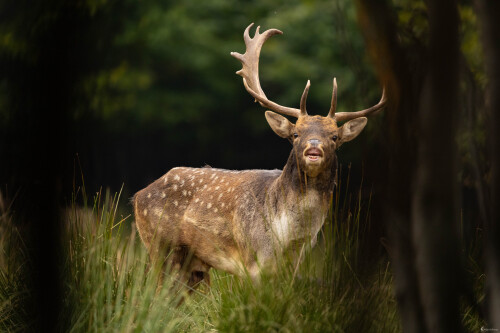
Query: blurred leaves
[[155, 74], [182, 52]]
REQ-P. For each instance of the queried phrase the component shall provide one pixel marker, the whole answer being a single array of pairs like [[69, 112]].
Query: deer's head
[[314, 138]]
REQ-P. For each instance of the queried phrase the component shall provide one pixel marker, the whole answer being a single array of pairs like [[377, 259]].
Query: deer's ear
[[280, 125], [351, 129]]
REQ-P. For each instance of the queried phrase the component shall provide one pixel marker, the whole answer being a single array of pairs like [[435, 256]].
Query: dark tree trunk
[[378, 24], [41, 88], [488, 16], [434, 211], [420, 183]]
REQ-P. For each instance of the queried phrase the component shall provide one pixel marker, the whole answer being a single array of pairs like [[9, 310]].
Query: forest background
[[122, 91]]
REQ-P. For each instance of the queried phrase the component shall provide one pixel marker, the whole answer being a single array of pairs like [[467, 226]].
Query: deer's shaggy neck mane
[[297, 181]]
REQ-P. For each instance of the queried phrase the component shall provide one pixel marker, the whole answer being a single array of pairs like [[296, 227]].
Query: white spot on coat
[[177, 177], [145, 212]]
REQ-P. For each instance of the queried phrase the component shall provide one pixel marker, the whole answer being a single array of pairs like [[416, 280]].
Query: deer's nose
[[314, 142]]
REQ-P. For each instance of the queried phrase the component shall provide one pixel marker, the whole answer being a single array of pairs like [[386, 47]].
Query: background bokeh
[[150, 85]]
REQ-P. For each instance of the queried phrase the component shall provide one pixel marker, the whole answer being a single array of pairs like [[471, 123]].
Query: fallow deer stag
[[237, 221]]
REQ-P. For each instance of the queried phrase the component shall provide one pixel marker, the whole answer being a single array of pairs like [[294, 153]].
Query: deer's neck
[[299, 204], [295, 180]]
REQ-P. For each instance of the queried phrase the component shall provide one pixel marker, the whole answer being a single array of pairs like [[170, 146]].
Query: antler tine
[[246, 33], [344, 116], [250, 70], [303, 111], [331, 113]]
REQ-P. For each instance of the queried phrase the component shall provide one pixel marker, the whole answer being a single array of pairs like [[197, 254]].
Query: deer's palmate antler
[[250, 74]]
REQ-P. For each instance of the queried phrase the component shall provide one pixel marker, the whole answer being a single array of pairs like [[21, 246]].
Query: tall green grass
[[15, 294], [110, 285]]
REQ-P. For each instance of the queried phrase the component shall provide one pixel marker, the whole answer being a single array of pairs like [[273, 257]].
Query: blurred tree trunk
[[378, 24], [434, 210], [488, 16], [42, 85], [421, 154]]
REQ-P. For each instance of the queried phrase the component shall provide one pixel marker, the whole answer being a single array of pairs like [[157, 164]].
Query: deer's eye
[[295, 135], [334, 138]]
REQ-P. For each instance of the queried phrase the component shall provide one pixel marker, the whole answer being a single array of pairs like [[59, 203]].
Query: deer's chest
[[300, 220]]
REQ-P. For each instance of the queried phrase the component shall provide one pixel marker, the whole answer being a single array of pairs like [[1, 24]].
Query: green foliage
[[176, 66], [149, 75], [471, 43]]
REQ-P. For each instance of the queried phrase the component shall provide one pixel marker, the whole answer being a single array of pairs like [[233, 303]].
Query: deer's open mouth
[[313, 154]]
